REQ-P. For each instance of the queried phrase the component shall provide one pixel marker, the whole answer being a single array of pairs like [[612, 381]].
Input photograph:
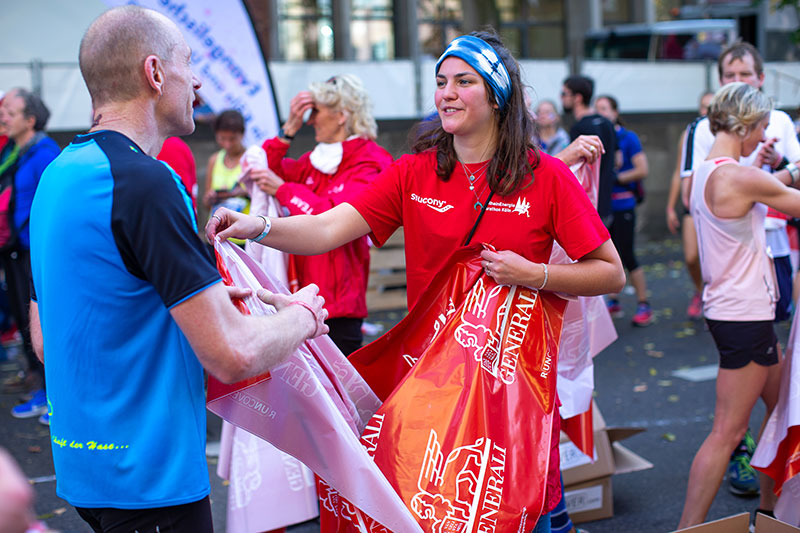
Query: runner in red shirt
[[475, 156]]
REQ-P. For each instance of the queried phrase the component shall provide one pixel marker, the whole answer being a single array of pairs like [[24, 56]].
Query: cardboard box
[[766, 524], [587, 481], [610, 457], [591, 500], [740, 523]]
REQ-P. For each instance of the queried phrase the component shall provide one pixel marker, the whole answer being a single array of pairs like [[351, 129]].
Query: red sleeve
[[177, 154], [300, 199], [381, 204], [576, 225], [287, 168]]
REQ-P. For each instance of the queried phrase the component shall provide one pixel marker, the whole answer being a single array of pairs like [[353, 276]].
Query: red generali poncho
[[468, 382], [341, 273]]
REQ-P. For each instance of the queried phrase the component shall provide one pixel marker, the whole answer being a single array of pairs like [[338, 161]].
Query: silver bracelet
[[544, 281], [267, 227], [794, 172]]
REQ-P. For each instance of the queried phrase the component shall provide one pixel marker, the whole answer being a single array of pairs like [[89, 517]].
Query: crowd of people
[[154, 315]]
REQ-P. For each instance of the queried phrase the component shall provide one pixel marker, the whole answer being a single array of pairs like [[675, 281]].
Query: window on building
[[439, 23], [305, 30], [616, 12], [371, 31], [533, 29]]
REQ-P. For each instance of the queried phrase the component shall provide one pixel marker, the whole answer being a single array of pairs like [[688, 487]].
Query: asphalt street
[[635, 386]]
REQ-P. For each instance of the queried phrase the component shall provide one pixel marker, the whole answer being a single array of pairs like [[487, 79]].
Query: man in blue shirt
[[128, 308], [24, 116]]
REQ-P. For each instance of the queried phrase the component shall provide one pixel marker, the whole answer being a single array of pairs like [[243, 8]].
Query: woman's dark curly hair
[[509, 169]]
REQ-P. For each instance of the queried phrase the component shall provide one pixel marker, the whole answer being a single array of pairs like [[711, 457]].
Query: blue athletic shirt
[[114, 247], [622, 195]]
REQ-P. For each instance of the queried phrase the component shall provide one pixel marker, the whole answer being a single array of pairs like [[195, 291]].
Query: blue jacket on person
[[32, 163]]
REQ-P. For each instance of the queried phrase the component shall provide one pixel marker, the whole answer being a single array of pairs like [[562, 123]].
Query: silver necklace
[[471, 178]]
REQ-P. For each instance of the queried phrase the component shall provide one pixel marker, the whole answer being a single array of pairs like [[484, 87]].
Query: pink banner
[[314, 406]]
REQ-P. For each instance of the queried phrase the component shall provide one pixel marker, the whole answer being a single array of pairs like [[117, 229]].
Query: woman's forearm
[[589, 277], [316, 234]]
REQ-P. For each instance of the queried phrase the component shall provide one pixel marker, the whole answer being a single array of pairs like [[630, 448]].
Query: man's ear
[[154, 73]]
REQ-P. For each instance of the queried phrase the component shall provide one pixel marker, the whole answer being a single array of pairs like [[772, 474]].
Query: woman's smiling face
[[462, 99]]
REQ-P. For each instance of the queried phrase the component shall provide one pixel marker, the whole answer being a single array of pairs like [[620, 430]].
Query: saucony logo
[[440, 206]]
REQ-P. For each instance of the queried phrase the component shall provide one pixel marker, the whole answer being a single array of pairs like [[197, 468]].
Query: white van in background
[[679, 40]]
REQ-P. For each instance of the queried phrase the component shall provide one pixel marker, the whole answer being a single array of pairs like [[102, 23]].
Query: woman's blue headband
[[484, 59]]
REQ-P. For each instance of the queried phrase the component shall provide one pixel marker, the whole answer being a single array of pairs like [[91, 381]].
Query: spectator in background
[[224, 167], [344, 163], [576, 98], [625, 194], [678, 215], [24, 116], [177, 154], [552, 137]]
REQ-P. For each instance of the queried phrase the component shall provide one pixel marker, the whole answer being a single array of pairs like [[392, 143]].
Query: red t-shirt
[[177, 154], [438, 215]]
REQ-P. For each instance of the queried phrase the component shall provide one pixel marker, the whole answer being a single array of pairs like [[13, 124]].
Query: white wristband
[[267, 227], [544, 281], [794, 172]]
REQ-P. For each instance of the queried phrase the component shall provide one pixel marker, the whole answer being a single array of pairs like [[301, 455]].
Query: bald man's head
[[114, 48]]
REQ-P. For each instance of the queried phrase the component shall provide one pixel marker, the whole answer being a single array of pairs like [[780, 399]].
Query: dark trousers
[[17, 265], [188, 518], [346, 333]]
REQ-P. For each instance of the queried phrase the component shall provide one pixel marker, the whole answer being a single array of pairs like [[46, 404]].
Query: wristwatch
[[283, 135]]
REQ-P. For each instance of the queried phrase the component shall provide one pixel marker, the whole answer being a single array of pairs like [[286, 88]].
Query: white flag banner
[[226, 58]]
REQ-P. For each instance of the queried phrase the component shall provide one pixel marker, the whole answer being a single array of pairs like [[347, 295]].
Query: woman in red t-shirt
[[474, 157]]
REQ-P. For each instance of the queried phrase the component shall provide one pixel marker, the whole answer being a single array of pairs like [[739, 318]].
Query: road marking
[[649, 423], [698, 373]]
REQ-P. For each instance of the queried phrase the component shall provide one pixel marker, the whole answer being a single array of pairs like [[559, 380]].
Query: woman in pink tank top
[[728, 203]]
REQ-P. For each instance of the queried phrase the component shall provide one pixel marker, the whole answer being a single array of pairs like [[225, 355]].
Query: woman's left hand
[[267, 180], [510, 268], [586, 147]]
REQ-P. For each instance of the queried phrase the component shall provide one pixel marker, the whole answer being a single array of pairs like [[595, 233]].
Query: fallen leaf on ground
[[649, 346], [655, 353], [669, 437], [640, 388], [673, 398], [653, 371], [664, 383]]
